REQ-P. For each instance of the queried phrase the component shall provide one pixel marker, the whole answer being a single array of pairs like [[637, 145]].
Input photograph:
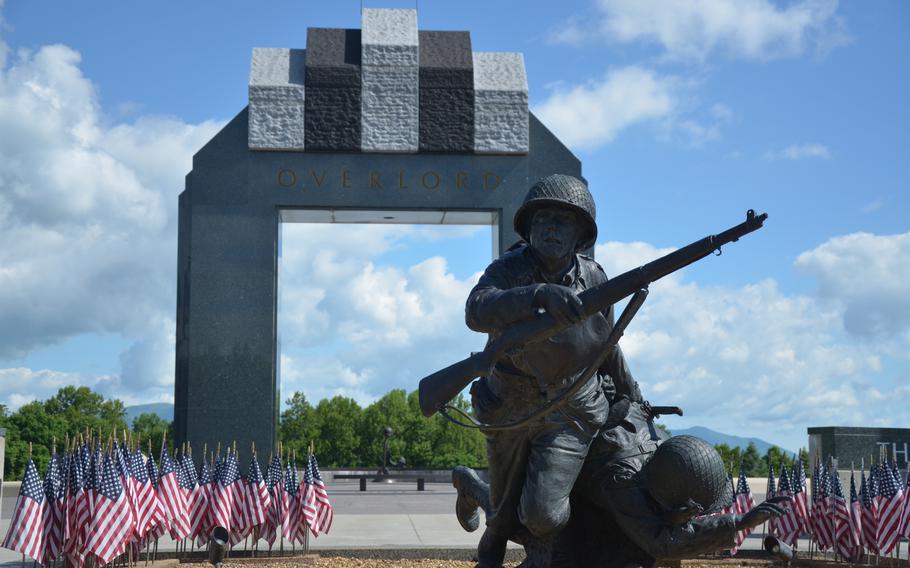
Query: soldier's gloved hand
[[762, 512], [560, 302], [683, 514]]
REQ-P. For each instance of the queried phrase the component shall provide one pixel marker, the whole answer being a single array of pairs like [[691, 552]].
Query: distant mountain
[[716, 438], [163, 409]]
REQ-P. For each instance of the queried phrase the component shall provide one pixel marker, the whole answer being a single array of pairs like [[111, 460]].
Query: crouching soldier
[[640, 498]]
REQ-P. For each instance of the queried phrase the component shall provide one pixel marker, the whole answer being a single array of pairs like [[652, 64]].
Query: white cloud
[[800, 152], [355, 327], [87, 222], [754, 359], [697, 29], [873, 205], [21, 385], [591, 115], [867, 276]]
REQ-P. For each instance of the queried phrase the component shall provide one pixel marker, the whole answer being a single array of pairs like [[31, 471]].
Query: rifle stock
[[436, 390]]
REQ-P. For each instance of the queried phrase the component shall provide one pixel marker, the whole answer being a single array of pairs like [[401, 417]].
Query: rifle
[[436, 390]]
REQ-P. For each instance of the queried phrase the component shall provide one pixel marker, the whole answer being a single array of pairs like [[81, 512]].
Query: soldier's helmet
[[684, 468], [563, 191]]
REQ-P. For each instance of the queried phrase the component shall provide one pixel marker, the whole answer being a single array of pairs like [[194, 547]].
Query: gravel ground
[[461, 559], [323, 561]]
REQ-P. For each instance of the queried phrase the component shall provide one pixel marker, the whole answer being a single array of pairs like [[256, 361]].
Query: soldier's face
[[554, 232]]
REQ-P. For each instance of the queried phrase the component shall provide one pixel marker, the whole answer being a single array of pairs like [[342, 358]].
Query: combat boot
[[491, 550], [473, 494]]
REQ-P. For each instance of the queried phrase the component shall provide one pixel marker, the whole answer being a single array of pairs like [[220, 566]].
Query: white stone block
[[500, 122], [276, 106], [500, 103], [496, 71], [390, 101], [389, 37]]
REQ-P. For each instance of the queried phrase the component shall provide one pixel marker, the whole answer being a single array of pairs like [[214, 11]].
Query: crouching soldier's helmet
[[562, 191], [687, 470]]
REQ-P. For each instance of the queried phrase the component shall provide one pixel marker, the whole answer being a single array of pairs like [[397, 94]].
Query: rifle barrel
[[442, 386]]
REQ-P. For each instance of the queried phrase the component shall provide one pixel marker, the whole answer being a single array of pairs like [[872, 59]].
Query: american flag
[[868, 494], [325, 513], [85, 454], [788, 524], [290, 491], [258, 501], [186, 477], [856, 516], [840, 514], [744, 502], [54, 510], [157, 530], [201, 513], [26, 529], [824, 529], [77, 512], [172, 497], [189, 483], [126, 481], [234, 483], [151, 519], [279, 510], [92, 481], [111, 526], [905, 517], [800, 500], [889, 509], [222, 497], [770, 493]]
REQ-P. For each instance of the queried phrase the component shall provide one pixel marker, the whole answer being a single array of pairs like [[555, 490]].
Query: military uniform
[[532, 469], [616, 519]]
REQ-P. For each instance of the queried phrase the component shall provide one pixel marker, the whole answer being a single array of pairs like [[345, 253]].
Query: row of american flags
[[98, 505], [869, 520]]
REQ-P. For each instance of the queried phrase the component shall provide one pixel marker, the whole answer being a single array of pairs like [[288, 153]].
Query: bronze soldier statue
[[533, 468]]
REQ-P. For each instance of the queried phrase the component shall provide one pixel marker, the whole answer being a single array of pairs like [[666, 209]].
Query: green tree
[[751, 461], [41, 425], [83, 409], [730, 456], [32, 424], [337, 422], [298, 425], [150, 426], [456, 445], [389, 411]]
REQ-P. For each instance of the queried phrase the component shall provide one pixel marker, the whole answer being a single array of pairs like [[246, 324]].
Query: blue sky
[[683, 116]]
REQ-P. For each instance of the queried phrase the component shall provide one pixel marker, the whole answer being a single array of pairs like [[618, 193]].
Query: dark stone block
[[446, 60], [445, 50], [446, 120], [446, 92], [332, 102], [332, 117], [333, 58], [332, 47]]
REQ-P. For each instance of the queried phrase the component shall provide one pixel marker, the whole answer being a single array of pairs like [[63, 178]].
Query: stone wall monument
[[385, 124]]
